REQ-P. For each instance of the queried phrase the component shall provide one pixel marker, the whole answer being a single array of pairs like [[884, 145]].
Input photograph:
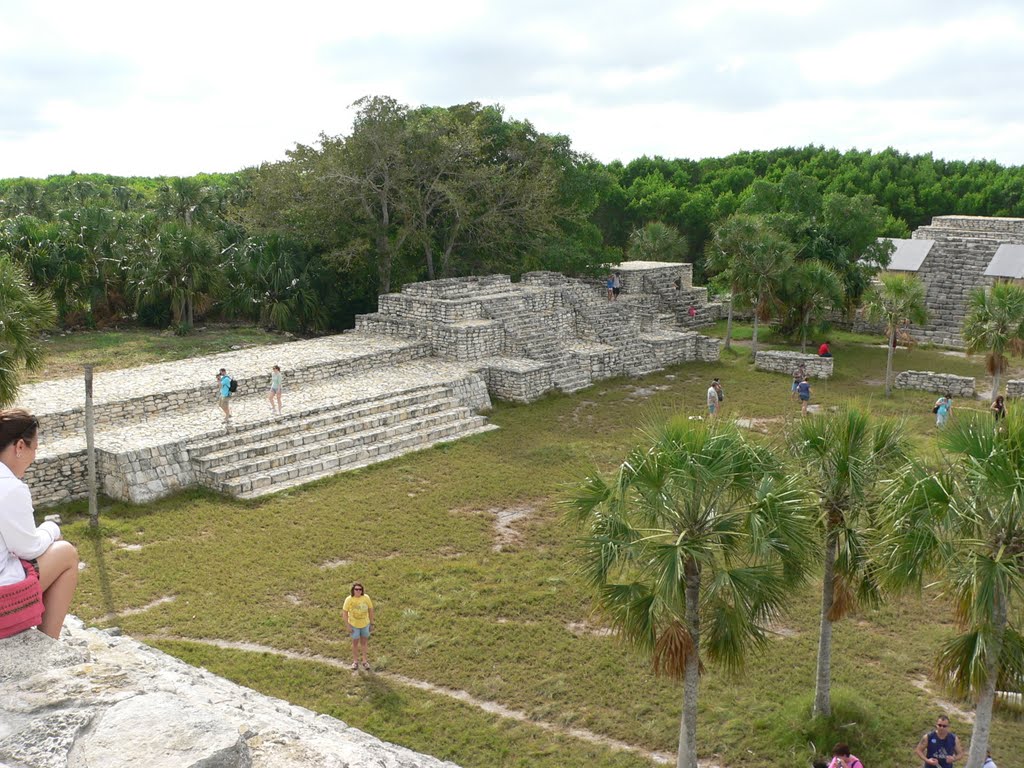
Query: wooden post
[[90, 451]]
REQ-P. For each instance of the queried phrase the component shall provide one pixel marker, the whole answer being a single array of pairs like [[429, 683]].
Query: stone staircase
[[541, 333], [270, 455], [954, 267]]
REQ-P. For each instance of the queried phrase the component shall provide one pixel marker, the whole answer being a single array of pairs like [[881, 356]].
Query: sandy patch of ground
[[331, 564], [759, 425], [946, 705], [506, 519], [583, 628], [141, 609], [292, 598]]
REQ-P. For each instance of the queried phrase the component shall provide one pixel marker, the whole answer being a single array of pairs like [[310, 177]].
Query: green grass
[[453, 611], [65, 353]]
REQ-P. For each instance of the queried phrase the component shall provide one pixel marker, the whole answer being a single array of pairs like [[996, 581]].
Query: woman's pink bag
[[21, 603]]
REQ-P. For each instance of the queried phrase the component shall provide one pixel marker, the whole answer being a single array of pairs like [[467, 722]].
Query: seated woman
[[825, 350], [55, 561]]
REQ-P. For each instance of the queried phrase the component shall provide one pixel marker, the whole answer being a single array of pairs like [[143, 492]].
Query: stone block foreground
[[420, 371], [92, 699]]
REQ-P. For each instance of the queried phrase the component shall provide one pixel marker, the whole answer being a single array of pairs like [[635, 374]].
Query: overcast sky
[[135, 88]]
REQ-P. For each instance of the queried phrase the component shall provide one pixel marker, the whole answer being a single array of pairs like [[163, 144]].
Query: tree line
[[414, 193]]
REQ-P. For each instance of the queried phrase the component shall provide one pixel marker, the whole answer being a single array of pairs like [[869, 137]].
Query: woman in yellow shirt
[[358, 614]]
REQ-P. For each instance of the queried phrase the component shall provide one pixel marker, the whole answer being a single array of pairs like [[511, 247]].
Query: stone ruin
[[952, 256], [420, 371], [98, 699]]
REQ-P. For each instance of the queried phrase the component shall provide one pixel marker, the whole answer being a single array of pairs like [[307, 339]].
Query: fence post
[[90, 450]]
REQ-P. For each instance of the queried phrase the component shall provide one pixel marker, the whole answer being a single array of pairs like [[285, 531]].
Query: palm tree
[[182, 270], [757, 256], [692, 548], [844, 456], [655, 241], [812, 288], [23, 313], [897, 302], [965, 527], [995, 325]]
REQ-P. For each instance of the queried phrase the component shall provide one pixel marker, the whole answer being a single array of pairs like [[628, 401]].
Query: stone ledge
[[942, 383], [777, 361], [96, 699]]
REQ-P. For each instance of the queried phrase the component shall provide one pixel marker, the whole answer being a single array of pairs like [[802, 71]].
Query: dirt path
[[662, 758]]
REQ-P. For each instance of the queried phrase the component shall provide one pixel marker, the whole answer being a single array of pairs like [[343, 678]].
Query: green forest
[[418, 193]]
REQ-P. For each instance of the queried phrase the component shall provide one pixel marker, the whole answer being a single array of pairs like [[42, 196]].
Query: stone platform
[[94, 699], [420, 371]]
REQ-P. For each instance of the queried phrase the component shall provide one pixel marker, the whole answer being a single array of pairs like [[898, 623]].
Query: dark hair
[[352, 591], [277, 367], [17, 424], [842, 749]]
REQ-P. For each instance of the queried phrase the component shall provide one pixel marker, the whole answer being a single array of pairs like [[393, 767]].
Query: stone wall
[[96, 699], [129, 410], [1015, 388], [941, 383], [787, 362]]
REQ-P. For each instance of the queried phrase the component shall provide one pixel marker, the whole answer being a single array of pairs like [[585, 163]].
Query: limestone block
[[787, 362], [941, 383]]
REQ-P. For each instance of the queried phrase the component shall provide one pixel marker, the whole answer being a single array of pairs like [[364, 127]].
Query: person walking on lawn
[[358, 614]]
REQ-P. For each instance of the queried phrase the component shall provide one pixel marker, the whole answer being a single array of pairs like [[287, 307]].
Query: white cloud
[[134, 88]]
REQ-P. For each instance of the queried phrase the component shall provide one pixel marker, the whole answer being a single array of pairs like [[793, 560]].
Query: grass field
[[65, 353], [469, 559]]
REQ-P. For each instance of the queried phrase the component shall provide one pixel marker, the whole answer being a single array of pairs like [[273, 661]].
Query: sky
[[132, 88]]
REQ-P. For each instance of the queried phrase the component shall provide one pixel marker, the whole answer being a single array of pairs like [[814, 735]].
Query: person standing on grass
[[841, 758], [358, 614], [224, 381], [803, 393], [943, 407], [24, 547], [712, 400], [939, 748], [799, 374], [999, 408], [276, 381]]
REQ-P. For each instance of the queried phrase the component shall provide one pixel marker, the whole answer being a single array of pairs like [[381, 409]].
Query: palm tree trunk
[[687, 755], [823, 679], [753, 343], [995, 381], [803, 333], [888, 364], [987, 695], [728, 326]]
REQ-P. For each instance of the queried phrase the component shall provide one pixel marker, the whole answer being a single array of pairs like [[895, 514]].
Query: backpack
[[721, 395], [233, 386]]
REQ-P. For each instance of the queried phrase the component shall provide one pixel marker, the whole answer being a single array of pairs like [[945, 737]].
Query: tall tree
[[844, 456], [813, 288], [655, 241], [964, 525], [995, 325], [182, 269], [757, 256], [896, 302], [692, 547], [24, 312]]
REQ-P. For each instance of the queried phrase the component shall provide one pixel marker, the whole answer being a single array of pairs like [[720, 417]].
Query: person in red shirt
[[824, 351]]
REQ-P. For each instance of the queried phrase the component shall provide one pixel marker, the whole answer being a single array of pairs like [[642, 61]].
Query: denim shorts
[[358, 632]]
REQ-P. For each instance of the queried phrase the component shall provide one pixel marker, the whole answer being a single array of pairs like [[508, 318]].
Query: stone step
[[307, 471], [361, 441], [313, 418], [335, 429]]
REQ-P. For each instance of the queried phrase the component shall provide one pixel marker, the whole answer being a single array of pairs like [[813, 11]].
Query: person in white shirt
[[55, 560], [712, 400]]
